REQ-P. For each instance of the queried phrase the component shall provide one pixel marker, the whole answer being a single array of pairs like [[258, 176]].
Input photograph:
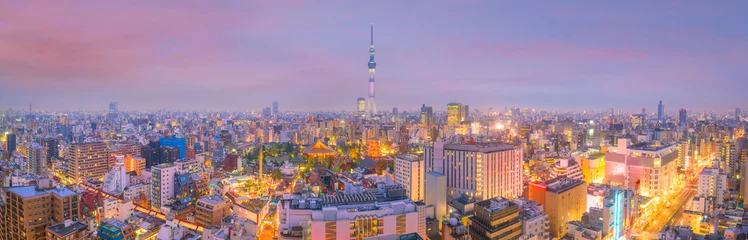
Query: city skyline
[[234, 56]]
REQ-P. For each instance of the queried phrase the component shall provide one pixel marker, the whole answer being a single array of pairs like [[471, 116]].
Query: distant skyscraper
[[682, 117], [660, 110], [113, 107], [395, 111], [371, 108], [427, 115], [454, 114], [464, 113], [275, 108], [361, 106], [737, 114]]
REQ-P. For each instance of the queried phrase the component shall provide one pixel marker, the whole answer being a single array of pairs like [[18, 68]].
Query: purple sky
[[310, 55]]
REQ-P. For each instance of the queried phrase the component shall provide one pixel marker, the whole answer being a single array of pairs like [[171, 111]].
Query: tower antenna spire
[[372, 34]]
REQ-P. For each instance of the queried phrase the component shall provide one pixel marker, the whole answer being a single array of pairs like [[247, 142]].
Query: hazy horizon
[[312, 56]]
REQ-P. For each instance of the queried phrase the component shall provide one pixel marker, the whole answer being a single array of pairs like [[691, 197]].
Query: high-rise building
[[712, 183], [436, 195], [162, 184], [409, 172], [210, 210], [27, 211], [682, 117], [275, 108], [87, 160], [563, 199], [395, 111], [37, 158], [683, 160], [637, 120], [649, 168], [464, 113], [51, 145], [427, 115], [179, 143], [10, 139], [361, 106], [727, 155], [482, 171], [660, 110], [496, 218], [737, 114], [113, 107], [371, 107], [453, 114]]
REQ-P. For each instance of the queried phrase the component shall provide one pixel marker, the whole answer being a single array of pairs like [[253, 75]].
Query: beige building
[[563, 199], [136, 164], [482, 171], [87, 160], [27, 211], [211, 209], [409, 172]]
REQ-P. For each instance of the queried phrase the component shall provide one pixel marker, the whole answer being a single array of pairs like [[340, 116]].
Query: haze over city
[[310, 56]]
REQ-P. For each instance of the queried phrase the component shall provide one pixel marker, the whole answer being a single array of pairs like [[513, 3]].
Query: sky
[[312, 55]]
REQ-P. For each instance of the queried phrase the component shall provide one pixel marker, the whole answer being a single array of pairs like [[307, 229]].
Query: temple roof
[[318, 148]]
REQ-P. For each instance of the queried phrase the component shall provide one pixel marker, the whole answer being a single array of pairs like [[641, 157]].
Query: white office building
[[409, 172], [482, 171], [162, 184], [712, 183]]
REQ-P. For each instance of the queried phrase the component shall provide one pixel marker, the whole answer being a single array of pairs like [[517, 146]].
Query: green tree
[[276, 174]]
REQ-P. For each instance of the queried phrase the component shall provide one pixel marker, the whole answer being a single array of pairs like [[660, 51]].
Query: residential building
[[495, 218], [535, 223], [28, 210], [162, 184], [210, 210], [134, 163], [712, 183], [111, 229], [87, 160], [410, 172], [37, 158]]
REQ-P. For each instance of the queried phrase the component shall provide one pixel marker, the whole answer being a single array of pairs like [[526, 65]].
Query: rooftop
[[646, 146], [67, 227], [211, 200], [562, 184], [32, 191], [478, 147], [495, 204], [409, 157]]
